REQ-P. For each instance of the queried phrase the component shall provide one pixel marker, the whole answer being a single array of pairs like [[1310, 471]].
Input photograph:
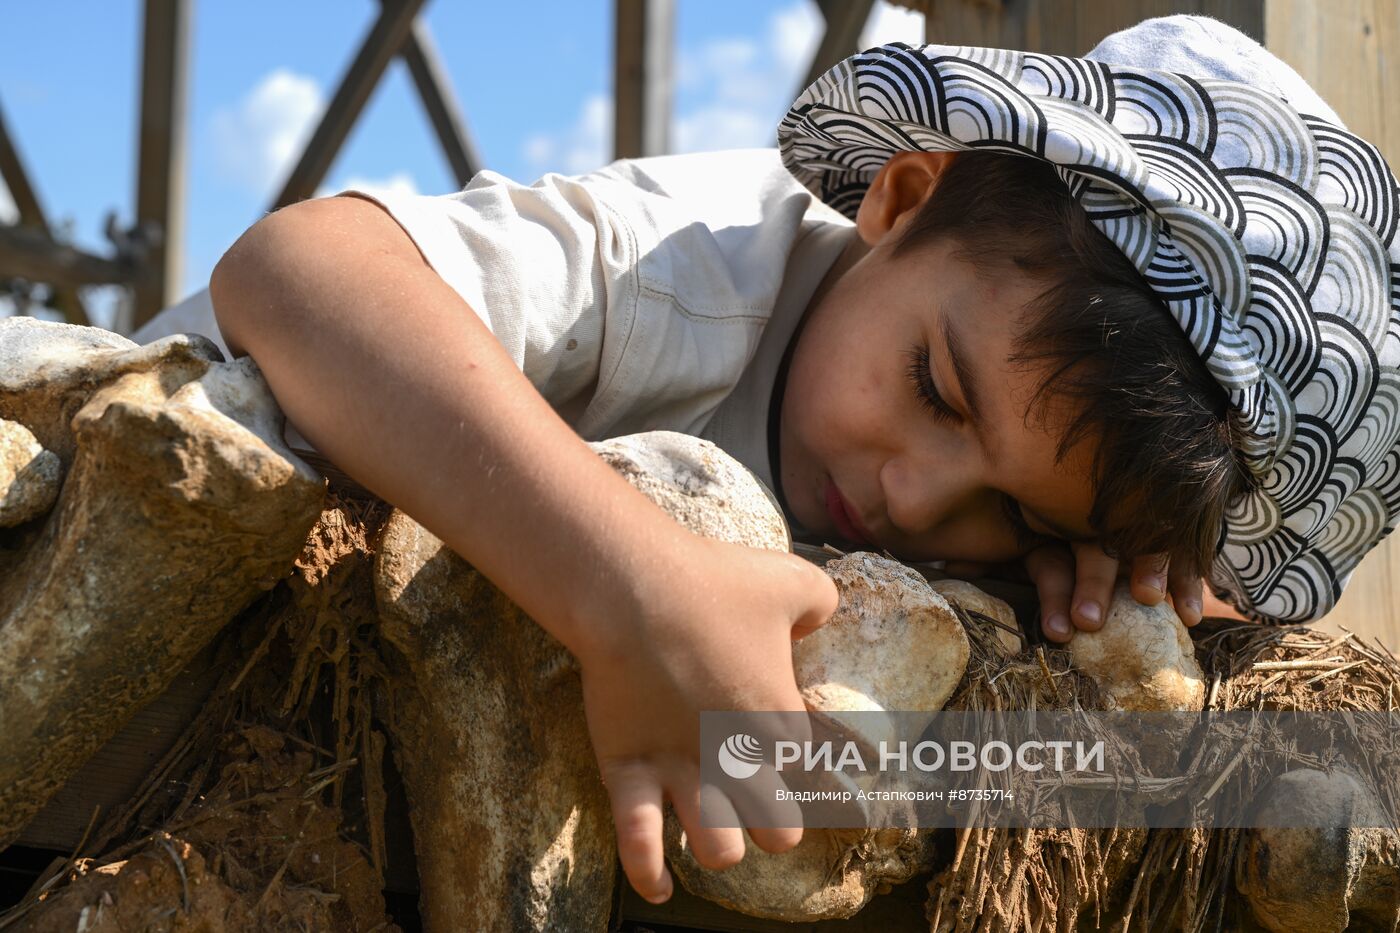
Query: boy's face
[[863, 457]]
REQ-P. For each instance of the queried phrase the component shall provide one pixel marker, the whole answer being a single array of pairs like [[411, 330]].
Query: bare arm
[[383, 367], [388, 372]]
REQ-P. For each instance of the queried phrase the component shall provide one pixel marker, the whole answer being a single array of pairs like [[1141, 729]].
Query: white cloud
[[256, 141], [8, 212], [889, 23], [743, 85], [793, 35], [737, 88], [582, 147], [399, 183]]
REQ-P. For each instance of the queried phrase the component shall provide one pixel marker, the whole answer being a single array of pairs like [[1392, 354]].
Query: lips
[[845, 518]]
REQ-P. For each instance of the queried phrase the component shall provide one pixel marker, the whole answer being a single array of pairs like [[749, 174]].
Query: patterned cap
[[1267, 229]]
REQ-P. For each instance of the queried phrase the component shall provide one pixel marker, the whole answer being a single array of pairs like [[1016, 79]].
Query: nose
[[921, 491]]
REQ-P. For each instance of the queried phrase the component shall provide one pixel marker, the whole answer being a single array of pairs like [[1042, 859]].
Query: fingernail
[[1191, 606], [1088, 611], [1058, 624], [660, 898], [1154, 582]]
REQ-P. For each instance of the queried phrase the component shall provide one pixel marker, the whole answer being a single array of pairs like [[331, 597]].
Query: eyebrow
[[967, 381], [967, 386]]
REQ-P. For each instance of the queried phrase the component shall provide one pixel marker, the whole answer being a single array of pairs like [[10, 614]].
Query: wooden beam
[[435, 90], [1348, 51], [17, 180], [384, 41], [31, 214], [160, 173], [844, 21], [642, 75], [1066, 27], [29, 253]]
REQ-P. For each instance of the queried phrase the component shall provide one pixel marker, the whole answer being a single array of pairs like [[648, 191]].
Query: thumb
[[818, 600]]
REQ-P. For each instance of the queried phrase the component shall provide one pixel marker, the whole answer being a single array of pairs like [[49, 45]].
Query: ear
[[900, 188]]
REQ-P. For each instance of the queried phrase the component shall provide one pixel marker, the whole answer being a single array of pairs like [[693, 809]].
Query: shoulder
[[723, 188]]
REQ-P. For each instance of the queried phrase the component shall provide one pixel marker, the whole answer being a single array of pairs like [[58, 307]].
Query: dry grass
[[1035, 880]]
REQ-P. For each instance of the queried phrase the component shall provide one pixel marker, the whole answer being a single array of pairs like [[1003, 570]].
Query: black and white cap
[[1267, 229]]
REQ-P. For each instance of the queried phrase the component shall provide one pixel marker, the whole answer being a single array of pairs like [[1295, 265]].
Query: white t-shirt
[[652, 294]]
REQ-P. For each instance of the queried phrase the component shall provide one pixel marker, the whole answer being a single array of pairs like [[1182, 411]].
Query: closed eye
[[1026, 536], [924, 390]]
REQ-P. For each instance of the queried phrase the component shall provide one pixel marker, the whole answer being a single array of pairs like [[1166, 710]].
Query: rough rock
[[29, 475], [180, 504], [48, 371], [892, 644], [830, 874], [700, 486], [511, 823], [1142, 659], [972, 598], [1320, 879]]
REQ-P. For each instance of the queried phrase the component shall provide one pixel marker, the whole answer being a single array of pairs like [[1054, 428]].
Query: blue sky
[[533, 78]]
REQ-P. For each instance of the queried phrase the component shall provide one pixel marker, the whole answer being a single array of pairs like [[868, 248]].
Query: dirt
[[259, 851], [243, 828]]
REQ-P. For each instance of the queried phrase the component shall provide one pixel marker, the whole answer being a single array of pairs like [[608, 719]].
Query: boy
[[1155, 317]]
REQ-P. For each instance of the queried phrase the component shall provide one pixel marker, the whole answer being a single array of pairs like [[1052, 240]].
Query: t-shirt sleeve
[[525, 259], [631, 297]]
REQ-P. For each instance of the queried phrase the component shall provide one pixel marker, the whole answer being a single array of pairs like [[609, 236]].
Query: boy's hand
[[712, 631], [1075, 582]]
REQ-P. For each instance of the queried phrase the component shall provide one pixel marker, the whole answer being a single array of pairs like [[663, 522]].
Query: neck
[[852, 254]]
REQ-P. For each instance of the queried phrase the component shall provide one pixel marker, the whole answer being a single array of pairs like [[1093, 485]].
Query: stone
[[831, 874], [511, 822], [512, 826], [972, 598], [180, 504], [29, 475], [700, 486], [893, 644], [1319, 878], [1142, 658]]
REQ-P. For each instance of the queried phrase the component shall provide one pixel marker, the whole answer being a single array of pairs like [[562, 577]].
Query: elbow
[[234, 288], [248, 285], [283, 281]]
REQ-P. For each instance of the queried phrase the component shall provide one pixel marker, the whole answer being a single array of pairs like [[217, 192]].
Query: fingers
[[1095, 575], [756, 804], [713, 826], [1186, 596], [634, 791], [1154, 579], [819, 600], [718, 845], [1149, 578], [1051, 568]]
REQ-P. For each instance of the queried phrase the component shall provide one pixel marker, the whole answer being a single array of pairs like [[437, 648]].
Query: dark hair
[[1165, 469]]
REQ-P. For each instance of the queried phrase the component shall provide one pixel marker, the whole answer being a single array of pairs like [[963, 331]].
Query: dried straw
[[1033, 880]]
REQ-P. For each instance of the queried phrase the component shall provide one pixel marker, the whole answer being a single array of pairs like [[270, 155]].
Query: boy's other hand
[[1075, 582], [708, 628]]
